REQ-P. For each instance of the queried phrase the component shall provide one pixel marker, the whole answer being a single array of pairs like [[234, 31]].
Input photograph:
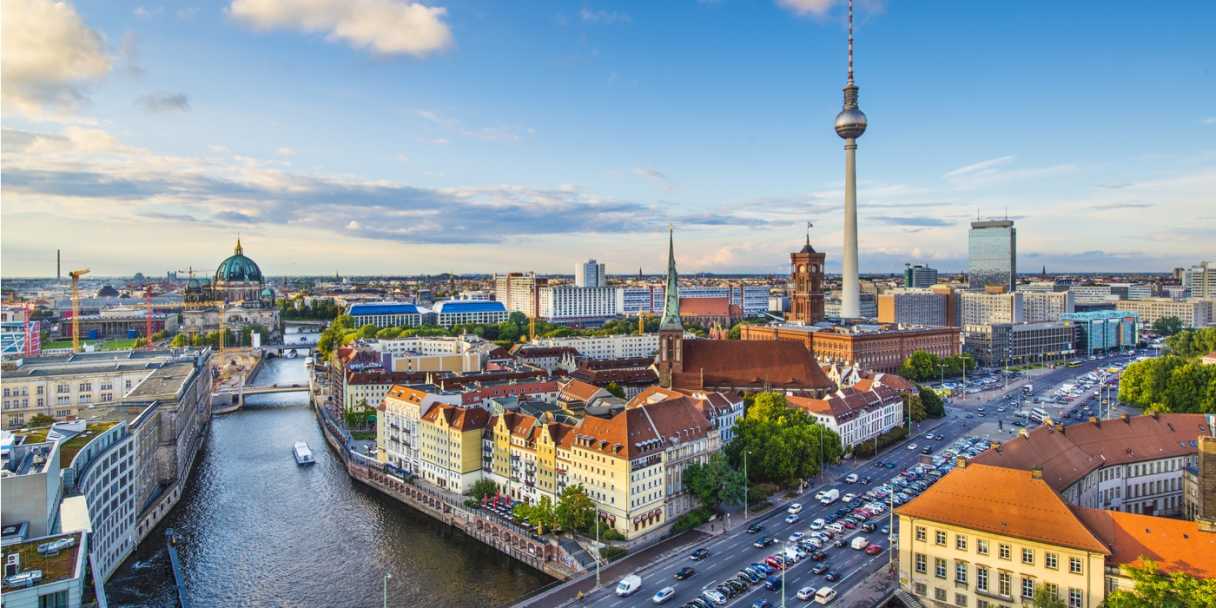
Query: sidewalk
[[871, 591], [566, 593]]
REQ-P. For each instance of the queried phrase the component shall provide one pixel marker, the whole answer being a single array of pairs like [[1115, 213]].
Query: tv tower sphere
[[850, 122]]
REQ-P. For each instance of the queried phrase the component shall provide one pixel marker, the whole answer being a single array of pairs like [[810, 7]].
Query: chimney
[[1036, 473], [1095, 421], [1124, 418]]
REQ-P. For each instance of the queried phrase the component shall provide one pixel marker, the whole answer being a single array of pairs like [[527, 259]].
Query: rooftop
[[386, 308], [164, 383], [1003, 501], [59, 566], [1176, 545], [468, 306]]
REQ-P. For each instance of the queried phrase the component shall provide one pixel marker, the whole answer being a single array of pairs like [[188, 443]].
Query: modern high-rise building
[[850, 124], [590, 274], [519, 291], [919, 276], [1201, 280], [913, 307], [992, 254], [806, 274]]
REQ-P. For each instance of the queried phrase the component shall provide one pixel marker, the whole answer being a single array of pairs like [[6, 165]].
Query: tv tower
[[850, 124]]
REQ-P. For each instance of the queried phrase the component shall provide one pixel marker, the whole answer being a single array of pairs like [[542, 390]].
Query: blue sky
[[385, 136]]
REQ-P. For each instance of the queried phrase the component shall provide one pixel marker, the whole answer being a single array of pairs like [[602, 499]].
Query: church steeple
[[237, 250], [671, 294]]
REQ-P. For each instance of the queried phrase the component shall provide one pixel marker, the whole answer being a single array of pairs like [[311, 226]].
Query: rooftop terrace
[[59, 566]]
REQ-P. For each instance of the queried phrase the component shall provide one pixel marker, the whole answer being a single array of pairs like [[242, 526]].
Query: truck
[[830, 496], [629, 585]]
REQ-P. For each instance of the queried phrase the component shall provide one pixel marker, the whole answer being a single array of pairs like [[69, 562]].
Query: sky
[[396, 137]]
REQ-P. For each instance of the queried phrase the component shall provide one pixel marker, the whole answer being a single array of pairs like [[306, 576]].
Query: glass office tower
[[992, 255]]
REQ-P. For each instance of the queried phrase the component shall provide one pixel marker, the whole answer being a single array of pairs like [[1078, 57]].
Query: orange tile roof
[[736, 363], [1002, 501], [847, 403], [580, 390], [642, 430], [459, 418], [1067, 456], [1176, 545]]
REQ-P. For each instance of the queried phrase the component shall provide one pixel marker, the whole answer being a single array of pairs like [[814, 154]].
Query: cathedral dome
[[238, 268]]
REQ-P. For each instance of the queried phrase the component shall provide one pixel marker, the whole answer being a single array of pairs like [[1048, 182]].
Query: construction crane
[[641, 322], [219, 304], [148, 316], [76, 274]]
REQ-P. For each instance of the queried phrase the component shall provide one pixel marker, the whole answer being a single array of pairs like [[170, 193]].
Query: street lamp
[[745, 484], [784, 567], [386, 577]]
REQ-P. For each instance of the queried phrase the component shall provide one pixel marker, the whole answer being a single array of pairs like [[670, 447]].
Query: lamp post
[[386, 577], [745, 484], [597, 549], [784, 567]]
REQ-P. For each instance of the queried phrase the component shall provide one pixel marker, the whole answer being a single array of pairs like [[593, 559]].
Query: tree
[[785, 445], [542, 515], [615, 389], [179, 341], [1045, 599], [1154, 588], [920, 366], [575, 510], [1167, 326], [40, 420], [483, 488], [916, 407], [934, 407], [715, 483], [1192, 342]]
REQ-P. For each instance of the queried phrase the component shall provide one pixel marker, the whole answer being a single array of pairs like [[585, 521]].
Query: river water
[[261, 531]]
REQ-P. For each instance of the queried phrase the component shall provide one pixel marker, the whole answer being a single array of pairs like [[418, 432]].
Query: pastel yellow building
[[450, 446]]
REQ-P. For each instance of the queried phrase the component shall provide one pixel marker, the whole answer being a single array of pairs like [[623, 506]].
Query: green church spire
[[671, 296]]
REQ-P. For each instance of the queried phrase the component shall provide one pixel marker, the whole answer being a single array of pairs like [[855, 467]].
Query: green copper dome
[[238, 268]]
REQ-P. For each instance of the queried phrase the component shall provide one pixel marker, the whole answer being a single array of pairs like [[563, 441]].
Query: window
[[1004, 584], [1074, 565], [960, 599], [981, 603], [58, 599], [939, 567], [1053, 590], [1004, 550], [981, 578], [920, 533], [960, 572], [1027, 587], [939, 537], [1051, 560], [921, 567], [960, 542], [939, 594], [981, 546], [920, 588], [1028, 556], [1074, 598]]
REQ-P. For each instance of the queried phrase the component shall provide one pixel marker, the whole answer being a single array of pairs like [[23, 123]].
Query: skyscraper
[[992, 255], [850, 124], [919, 276], [590, 274]]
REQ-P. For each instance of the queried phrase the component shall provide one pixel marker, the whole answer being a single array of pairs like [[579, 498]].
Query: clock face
[[802, 268]]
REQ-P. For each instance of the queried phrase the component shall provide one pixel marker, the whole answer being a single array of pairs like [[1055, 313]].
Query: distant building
[[992, 254], [866, 300], [1193, 312], [998, 344], [872, 347], [237, 291], [751, 299], [469, 312], [519, 292], [954, 304], [919, 276], [590, 274], [1105, 331], [1091, 294], [622, 346], [567, 303], [979, 308], [709, 312], [856, 415], [806, 275], [1200, 279], [1046, 305], [913, 307], [387, 314], [13, 332]]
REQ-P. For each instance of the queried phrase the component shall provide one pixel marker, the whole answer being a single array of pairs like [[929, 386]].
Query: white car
[[912, 446], [797, 536], [663, 595], [714, 596], [848, 498], [850, 478], [794, 508], [806, 593], [818, 524], [791, 518]]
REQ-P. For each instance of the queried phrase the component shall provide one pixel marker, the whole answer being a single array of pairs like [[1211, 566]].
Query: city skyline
[[405, 147]]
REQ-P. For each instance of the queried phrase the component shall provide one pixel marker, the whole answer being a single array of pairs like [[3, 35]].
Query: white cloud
[[1210, 120], [590, 15], [285, 152], [995, 170], [386, 27], [144, 12], [655, 176], [49, 56], [499, 133], [353, 225], [980, 167], [807, 7]]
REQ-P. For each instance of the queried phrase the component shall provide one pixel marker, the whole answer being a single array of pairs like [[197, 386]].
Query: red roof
[[777, 364], [704, 307], [1176, 545]]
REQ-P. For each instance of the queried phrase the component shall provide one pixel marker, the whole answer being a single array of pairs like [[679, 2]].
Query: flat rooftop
[[57, 567], [164, 383]]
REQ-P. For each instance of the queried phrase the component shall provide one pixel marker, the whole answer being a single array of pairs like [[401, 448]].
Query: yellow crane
[[76, 274], [641, 323]]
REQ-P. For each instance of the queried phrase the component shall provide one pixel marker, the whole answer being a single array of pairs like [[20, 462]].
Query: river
[[261, 531]]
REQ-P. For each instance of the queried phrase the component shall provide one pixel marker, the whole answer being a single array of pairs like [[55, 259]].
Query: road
[[732, 551]]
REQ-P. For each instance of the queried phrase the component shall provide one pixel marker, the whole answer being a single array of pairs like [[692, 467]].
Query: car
[[699, 602], [929, 436], [699, 554], [762, 604], [819, 569], [714, 596], [839, 542], [794, 508], [912, 446], [763, 542], [848, 498], [818, 524], [663, 595], [926, 450], [750, 575], [868, 527], [831, 576], [791, 518], [806, 593], [684, 573], [797, 536], [851, 478], [873, 549], [762, 568], [849, 525], [891, 465], [819, 556], [755, 529]]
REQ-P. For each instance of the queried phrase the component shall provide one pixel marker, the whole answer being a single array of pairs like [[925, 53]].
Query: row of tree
[[573, 511], [320, 309], [921, 366], [1192, 342], [1170, 384], [233, 337]]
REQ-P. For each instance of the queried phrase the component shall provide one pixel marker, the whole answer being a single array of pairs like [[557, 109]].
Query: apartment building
[[1046, 305], [397, 434], [623, 346], [980, 308], [449, 446], [519, 292], [1193, 312], [856, 414], [913, 307], [568, 303], [1200, 280]]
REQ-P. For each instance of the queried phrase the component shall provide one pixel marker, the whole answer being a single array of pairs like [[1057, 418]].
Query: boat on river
[[302, 453]]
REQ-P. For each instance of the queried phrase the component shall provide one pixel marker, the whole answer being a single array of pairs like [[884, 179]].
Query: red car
[[873, 549], [850, 525]]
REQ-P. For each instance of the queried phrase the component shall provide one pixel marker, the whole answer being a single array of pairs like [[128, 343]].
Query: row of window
[[1076, 597], [1004, 550]]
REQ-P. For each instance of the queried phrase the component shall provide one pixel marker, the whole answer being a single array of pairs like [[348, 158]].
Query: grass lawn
[[123, 344]]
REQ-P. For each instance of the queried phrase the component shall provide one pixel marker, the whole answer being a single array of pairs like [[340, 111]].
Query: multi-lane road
[[732, 551]]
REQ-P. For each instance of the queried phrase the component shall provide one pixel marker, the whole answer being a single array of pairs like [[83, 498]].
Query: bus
[[1074, 363], [1038, 414]]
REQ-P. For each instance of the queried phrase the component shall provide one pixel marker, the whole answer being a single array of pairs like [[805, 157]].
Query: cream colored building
[[1193, 312], [397, 433], [449, 446]]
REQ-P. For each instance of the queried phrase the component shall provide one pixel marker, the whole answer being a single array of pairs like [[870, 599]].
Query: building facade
[[519, 292], [913, 307], [1200, 280], [806, 278], [567, 303], [387, 314], [1046, 305], [1193, 312], [1004, 344], [621, 346], [856, 415], [469, 312], [872, 347], [980, 308], [919, 276], [590, 274], [1105, 331], [992, 254]]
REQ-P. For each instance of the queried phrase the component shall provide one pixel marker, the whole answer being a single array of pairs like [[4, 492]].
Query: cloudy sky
[[389, 136]]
